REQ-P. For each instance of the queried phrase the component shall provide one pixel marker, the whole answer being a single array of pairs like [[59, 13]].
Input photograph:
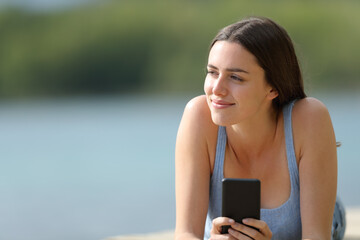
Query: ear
[[272, 93]]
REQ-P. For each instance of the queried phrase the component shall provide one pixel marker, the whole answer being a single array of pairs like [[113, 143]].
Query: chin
[[221, 120]]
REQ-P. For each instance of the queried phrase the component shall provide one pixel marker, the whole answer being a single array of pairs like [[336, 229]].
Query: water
[[92, 168]]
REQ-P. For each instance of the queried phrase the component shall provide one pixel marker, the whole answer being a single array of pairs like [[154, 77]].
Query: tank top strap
[[220, 153], [290, 152]]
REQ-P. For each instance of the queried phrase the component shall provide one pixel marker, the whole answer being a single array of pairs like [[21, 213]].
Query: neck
[[252, 138]]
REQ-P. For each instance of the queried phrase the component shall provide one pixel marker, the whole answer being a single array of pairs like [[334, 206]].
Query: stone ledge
[[352, 230]]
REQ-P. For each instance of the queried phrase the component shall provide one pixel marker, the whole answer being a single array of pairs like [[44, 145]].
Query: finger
[[247, 231], [239, 235], [217, 223], [259, 224]]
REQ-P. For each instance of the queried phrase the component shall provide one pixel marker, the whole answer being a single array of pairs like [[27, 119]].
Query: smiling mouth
[[220, 104]]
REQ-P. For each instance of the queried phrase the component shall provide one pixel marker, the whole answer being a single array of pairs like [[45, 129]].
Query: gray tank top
[[283, 221]]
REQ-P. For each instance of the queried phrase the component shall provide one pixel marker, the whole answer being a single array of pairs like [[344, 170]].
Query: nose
[[219, 86]]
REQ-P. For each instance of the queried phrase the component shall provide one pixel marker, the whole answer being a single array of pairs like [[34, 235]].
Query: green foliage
[[138, 46]]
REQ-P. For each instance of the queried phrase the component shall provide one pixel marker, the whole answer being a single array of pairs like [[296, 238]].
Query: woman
[[255, 121]]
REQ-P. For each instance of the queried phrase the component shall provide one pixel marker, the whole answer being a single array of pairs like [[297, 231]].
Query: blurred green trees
[[161, 46]]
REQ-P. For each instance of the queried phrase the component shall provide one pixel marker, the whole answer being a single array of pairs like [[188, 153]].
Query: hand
[[241, 231], [215, 231]]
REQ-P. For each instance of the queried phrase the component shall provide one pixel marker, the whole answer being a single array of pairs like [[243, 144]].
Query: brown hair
[[274, 51]]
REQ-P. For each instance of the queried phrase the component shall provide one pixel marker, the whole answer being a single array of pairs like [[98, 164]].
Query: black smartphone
[[240, 199]]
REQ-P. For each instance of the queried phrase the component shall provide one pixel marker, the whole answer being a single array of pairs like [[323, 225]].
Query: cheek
[[207, 86]]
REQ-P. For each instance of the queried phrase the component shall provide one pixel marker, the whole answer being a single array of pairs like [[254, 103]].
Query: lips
[[220, 104]]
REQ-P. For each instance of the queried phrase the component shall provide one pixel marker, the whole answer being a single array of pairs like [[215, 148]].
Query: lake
[[89, 168]]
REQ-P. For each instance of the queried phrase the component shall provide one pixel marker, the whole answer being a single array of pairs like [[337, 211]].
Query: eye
[[237, 78], [211, 72]]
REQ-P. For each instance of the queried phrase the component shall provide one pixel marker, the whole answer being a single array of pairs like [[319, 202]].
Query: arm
[[314, 139], [192, 170]]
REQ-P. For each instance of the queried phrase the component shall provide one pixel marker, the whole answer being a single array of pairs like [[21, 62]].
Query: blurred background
[[92, 92]]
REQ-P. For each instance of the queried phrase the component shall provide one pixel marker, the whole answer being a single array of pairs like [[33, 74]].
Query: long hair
[[274, 51]]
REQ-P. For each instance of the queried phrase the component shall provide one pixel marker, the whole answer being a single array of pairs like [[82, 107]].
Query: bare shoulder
[[197, 105], [309, 112], [197, 114], [197, 133], [310, 103], [312, 126]]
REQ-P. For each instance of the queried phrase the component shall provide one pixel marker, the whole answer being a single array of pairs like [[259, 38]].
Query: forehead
[[224, 54]]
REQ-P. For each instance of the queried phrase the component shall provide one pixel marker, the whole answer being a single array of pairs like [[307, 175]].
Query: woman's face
[[235, 85]]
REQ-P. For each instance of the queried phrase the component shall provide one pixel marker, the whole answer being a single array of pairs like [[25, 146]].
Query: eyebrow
[[229, 69]]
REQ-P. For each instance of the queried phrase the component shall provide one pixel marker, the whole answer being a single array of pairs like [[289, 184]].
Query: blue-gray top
[[284, 221]]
